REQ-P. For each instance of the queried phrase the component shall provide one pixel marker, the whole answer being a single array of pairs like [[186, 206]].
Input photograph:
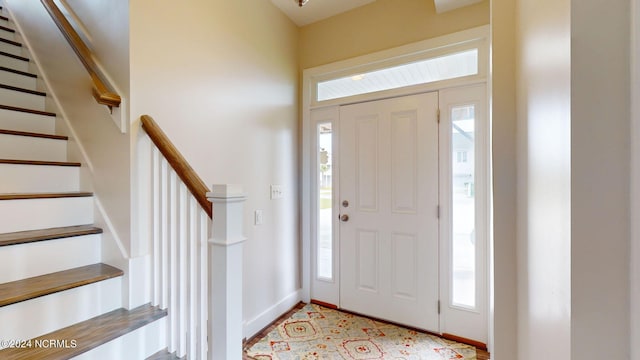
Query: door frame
[[467, 39]]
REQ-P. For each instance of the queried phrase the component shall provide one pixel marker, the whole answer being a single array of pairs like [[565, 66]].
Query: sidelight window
[[324, 195]]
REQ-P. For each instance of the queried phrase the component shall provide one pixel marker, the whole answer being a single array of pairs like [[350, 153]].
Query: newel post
[[225, 269]]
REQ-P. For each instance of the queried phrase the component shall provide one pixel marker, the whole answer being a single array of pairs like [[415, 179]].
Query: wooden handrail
[[101, 91], [182, 168]]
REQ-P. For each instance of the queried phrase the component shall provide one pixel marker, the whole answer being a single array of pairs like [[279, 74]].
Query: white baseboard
[[253, 326]]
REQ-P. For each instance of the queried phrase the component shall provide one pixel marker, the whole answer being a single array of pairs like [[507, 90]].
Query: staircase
[[57, 299]]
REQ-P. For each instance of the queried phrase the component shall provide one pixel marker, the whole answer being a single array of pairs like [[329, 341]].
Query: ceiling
[[316, 10], [448, 5]]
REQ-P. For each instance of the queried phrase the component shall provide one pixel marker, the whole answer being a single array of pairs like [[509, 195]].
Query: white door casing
[[389, 177], [328, 290]]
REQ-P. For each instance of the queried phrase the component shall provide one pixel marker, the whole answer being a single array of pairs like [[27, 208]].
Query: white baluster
[[164, 226], [204, 234], [183, 259], [193, 277], [174, 310], [157, 238]]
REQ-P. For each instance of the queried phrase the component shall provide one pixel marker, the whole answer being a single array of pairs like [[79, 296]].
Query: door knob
[[344, 218]]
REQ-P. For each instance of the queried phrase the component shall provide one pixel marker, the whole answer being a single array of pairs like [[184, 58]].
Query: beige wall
[[503, 118], [107, 25], [600, 116], [382, 25], [544, 174], [635, 180], [573, 179], [220, 77]]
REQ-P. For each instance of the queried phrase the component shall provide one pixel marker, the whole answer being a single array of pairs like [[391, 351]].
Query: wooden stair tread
[[14, 56], [22, 196], [30, 111], [88, 334], [163, 355], [26, 91], [4, 28], [34, 287], [19, 72], [32, 134], [39, 162], [2, 17], [10, 42], [24, 237]]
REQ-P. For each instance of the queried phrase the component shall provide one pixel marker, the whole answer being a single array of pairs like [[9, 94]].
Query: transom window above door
[[438, 68]]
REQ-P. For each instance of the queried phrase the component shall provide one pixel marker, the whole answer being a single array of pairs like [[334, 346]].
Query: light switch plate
[[276, 192], [258, 217]]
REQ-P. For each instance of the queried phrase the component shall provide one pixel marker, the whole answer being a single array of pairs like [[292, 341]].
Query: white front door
[[389, 209]]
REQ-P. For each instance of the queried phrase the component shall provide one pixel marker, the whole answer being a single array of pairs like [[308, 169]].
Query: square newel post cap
[[226, 191]]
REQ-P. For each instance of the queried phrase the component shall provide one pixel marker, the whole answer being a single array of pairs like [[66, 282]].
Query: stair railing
[[102, 91], [197, 275], [181, 223]]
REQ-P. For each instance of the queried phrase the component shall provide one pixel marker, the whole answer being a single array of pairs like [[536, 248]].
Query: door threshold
[[477, 344]]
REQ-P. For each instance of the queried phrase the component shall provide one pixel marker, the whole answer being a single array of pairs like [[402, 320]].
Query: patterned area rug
[[316, 332]]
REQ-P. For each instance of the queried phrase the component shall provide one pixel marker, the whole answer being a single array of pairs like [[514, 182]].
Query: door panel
[[366, 139], [367, 260], [404, 142], [405, 266], [389, 176]]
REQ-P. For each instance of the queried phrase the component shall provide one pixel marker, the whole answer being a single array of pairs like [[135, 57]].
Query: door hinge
[[438, 307], [438, 211], [438, 116]]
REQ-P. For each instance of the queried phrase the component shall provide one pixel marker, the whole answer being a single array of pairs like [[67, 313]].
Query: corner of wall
[[254, 325]]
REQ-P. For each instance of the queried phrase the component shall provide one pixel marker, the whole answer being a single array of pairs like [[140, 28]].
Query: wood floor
[[481, 354]]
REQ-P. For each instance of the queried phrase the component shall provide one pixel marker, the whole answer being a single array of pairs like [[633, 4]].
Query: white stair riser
[[17, 80], [38, 178], [138, 344], [35, 317], [22, 99], [21, 121], [32, 148], [33, 214], [14, 64], [8, 35], [33, 259], [11, 49]]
